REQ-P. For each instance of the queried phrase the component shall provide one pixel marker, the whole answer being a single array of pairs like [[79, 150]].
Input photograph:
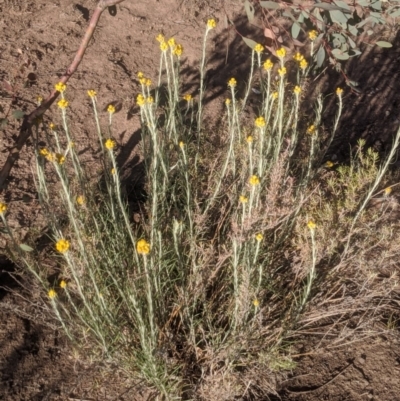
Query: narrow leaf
[[3, 122]]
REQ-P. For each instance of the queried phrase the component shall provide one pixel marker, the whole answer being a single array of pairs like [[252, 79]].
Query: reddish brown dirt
[[36, 363]]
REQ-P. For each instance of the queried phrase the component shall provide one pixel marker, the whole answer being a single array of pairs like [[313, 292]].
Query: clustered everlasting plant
[[202, 296]]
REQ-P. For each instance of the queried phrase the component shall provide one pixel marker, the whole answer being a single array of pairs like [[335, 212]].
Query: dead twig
[[26, 127]]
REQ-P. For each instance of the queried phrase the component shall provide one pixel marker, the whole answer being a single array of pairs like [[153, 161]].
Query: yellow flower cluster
[[3, 208], [387, 191], [39, 100], [232, 82], [281, 53], [177, 49], [52, 294], [211, 24], [268, 64], [259, 122], [62, 104], [80, 200], [339, 91], [143, 247], [60, 87], [249, 139], [181, 144], [259, 237], [243, 199], [311, 129], [329, 164], [109, 144], [311, 225], [91, 93], [63, 284], [303, 64], [258, 48], [187, 97], [256, 303], [254, 181], [312, 35], [111, 108], [227, 102], [297, 90], [274, 95], [52, 126], [59, 158], [298, 57], [282, 71], [62, 245], [141, 100]]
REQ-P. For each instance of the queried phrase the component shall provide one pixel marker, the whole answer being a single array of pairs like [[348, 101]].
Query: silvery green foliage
[[339, 23]]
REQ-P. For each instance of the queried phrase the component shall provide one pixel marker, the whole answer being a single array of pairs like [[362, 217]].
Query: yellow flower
[[303, 64], [312, 35], [311, 225], [297, 90], [143, 247], [256, 303], [227, 102], [259, 122], [254, 180], [259, 237], [282, 71], [232, 82], [43, 152], [281, 53], [60, 158], [148, 82], [243, 199], [160, 38], [187, 97], [181, 144], [140, 100], [111, 109], [51, 157], [39, 100], [149, 100], [52, 294], [62, 104], [3, 207], [71, 144], [164, 46], [258, 48], [171, 43], [329, 164], [211, 24], [387, 191], [91, 93], [80, 200], [62, 245], [140, 74], [112, 171], [268, 64], [63, 284], [178, 50], [274, 95], [52, 126], [339, 91], [60, 87], [249, 139], [298, 57], [109, 144], [311, 129], [142, 80]]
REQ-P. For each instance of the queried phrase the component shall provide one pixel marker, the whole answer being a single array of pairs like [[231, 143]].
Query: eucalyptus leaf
[[395, 13], [249, 42], [377, 5], [338, 16], [340, 55], [382, 43], [342, 4], [18, 114], [249, 10], [25, 248], [326, 6], [295, 30], [271, 5], [3, 122], [320, 56]]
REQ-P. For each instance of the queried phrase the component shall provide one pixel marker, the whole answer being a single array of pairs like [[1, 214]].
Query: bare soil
[[41, 37]]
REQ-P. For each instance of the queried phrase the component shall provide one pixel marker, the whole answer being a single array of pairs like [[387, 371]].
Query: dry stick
[[26, 128]]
